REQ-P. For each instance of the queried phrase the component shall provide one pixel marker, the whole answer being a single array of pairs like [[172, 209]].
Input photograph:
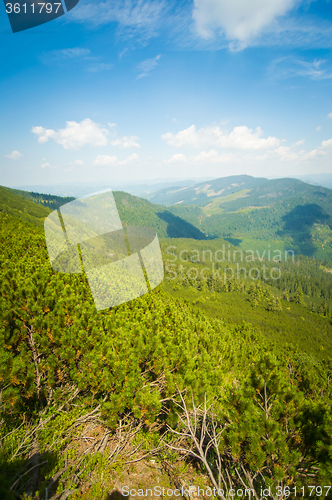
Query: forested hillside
[[87, 396], [138, 212], [132, 210], [48, 200], [19, 207], [285, 213]]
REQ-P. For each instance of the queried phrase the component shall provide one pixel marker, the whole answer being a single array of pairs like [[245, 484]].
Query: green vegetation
[[293, 214], [50, 201], [137, 212], [15, 205], [85, 394]]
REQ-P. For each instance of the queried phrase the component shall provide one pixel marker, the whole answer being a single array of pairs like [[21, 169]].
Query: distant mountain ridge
[[285, 212], [205, 191], [252, 213]]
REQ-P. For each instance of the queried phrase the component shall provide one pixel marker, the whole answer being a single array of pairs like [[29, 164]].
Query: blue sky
[[134, 90]]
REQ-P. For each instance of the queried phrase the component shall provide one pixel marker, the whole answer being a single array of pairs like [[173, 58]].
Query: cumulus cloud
[[75, 135], [239, 20], [14, 155], [290, 153], [299, 143], [126, 142], [177, 158], [241, 137], [213, 157], [108, 161], [145, 67], [45, 165], [329, 115], [208, 24], [327, 144]]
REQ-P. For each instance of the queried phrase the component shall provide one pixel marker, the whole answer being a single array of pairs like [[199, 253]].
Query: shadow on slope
[[179, 228], [298, 224]]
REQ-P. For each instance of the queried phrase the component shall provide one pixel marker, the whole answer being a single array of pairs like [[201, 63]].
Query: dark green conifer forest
[[216, 376]]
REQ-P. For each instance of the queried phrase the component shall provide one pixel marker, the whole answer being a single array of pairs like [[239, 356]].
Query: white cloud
[[145, 67], [78, 162], [176, 158], [329, 115], [108, 161], [290, 67], [239, 20], [240, 138], [289, 153], [319, 128], [75, 135], [14, 155], [213, 157], [299, 143], [126, 142], [208, 24], [44, 165], [327, 144], [104, 161]]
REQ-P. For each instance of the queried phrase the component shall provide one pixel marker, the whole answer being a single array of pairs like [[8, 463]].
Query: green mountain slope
[[138, 212], [294, 309], [48, 200], [74, 381], [22, 208], [133, 211], [279, 214]]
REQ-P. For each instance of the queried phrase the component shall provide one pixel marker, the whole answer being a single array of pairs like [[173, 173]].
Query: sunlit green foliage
[[269, 375]]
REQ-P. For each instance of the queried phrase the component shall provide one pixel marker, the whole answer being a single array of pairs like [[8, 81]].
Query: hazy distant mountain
[[78, 189], [206, 191], [285, 212], [324, 180]]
